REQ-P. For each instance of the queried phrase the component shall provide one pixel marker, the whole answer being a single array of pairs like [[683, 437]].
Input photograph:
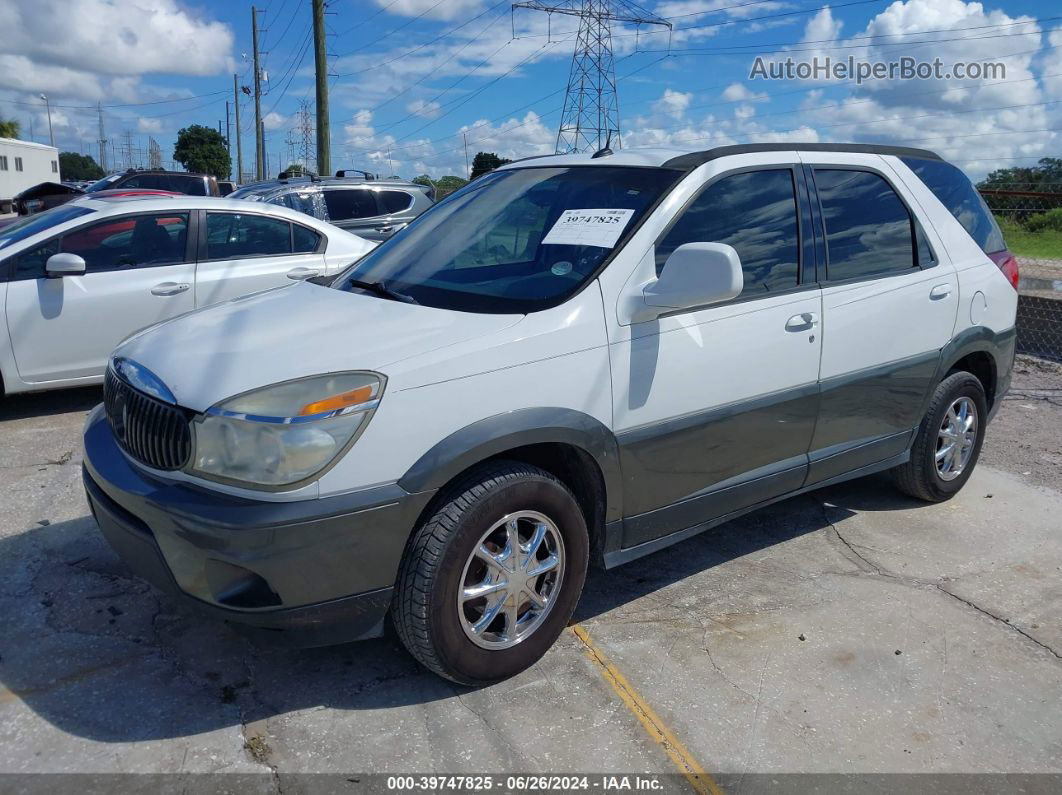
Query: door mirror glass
[[64, 265], [695, 275]]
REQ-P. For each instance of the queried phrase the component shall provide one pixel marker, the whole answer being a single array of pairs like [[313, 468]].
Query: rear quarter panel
[[977, 274]]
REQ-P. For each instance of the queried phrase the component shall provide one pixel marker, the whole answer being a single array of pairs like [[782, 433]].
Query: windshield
[[514, 241], [103, 184], [32, 224]]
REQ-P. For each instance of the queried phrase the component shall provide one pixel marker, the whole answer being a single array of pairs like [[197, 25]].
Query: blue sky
[[412, 79]]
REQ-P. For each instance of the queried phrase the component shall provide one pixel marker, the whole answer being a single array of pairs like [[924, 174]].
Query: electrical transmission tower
[[154, 154], [307, 140], [590, 120]]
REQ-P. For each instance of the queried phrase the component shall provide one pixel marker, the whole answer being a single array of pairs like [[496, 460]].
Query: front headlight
[[284, 434]]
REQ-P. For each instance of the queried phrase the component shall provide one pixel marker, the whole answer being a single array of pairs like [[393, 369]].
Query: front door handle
[[802, 322], [298, 274], [940, 292], [170, 288], [387, 228]]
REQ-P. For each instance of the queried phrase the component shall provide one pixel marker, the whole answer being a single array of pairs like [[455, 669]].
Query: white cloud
[[428, 110], [738, 92], [431, 9], [673, 103], [147, 125], [120, 37], [274, 121]]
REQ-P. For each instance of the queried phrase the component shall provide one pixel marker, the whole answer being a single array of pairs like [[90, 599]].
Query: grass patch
[[1042, 245]]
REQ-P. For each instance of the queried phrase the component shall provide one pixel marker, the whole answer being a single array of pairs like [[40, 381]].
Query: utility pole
[[324, 148], [259, 148], [102, 139], [48, 107], [239, 141], [228, 136], [590, 120]]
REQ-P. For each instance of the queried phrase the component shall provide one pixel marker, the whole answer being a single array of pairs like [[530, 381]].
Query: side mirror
[[695, 275], [64, 265]]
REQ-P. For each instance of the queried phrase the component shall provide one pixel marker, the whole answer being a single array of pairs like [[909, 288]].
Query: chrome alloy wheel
[[511, 580], [956, 439]]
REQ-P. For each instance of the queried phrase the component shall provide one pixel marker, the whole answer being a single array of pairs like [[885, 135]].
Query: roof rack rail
[[365, 175]]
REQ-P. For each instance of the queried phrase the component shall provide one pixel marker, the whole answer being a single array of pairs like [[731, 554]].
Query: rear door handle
[[170, 288], [802, 322], [940, 292], [298, 274]]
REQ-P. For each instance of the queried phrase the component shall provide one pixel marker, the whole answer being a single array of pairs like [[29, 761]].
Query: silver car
[[371, 208]]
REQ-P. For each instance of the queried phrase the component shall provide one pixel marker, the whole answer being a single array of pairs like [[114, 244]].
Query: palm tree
[[9, 128]]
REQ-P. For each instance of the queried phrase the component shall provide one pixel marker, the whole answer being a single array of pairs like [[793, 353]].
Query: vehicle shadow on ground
[[101, 655], [57, 401]]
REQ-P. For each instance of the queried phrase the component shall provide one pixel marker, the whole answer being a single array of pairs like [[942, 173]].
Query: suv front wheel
[[492, 577], [948, 442]]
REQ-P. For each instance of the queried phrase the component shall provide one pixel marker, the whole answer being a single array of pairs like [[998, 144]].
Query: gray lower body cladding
[[311, 572]]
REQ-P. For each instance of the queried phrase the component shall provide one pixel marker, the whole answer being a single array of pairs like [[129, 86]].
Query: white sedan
[[78, 279]]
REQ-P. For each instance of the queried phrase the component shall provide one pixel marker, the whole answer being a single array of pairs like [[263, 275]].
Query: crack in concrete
[[870, 568]]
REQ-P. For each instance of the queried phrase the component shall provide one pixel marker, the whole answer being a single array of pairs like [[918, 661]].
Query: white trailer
[[24, 164]]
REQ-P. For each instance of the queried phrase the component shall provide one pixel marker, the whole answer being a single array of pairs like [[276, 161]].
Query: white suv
[[572, 359], [78, 279]]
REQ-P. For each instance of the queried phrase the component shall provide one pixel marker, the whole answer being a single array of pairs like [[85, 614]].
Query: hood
[[289, 332]]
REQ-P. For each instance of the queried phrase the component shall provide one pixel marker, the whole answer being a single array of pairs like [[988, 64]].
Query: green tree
[[297, 170], [423, 179], [9, 128], [486, 161], [202, 150], [451, 182], [77, 166]]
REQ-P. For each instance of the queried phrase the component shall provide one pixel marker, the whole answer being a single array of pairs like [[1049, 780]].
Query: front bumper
[[305, 573]]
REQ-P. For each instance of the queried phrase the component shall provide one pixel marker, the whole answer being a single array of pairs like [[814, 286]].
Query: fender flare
[[494, 435], [999, 345]]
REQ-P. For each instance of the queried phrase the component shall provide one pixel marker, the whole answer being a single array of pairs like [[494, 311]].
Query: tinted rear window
[[958, 194]]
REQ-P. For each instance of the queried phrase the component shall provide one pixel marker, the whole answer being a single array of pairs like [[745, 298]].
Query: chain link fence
[[1031, 219]]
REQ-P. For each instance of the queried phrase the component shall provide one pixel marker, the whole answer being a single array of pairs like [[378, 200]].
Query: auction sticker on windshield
[[599, 227]]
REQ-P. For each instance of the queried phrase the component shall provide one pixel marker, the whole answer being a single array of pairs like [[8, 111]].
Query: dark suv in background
[[51, 194], [368, 207]]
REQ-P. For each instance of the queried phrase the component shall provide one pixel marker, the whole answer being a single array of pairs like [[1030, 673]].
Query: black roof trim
[[694, 159]]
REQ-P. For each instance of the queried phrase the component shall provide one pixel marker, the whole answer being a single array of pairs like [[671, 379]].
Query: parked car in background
[[574, 358], [24, 164], [52, 194], [226, 186], [370, 208], [77, 279]]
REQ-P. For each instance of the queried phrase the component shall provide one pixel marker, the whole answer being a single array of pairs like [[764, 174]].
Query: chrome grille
[[154, 433]]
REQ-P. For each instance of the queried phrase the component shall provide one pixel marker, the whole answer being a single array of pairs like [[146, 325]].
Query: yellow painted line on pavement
[[701, 781]]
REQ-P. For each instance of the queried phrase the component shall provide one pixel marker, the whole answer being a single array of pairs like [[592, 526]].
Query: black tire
[[433, 567], [919, 477]]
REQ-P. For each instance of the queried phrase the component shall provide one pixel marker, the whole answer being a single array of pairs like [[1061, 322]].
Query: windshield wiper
[[382, 290]]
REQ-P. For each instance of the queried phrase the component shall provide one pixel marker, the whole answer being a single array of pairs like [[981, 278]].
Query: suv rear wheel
[[948, 441], [492, 577]]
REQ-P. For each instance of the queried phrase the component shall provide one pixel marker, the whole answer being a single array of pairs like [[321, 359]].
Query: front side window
[[233, 235], [115, 244], [515, 240], [756, 213], [346, 204], [868, 229]]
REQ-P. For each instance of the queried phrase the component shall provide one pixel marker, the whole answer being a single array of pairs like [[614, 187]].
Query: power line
[[394, 30], [419, 47]]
